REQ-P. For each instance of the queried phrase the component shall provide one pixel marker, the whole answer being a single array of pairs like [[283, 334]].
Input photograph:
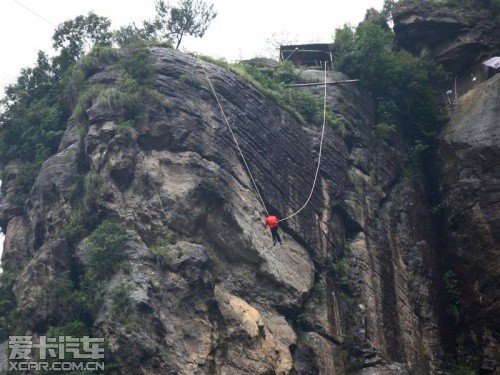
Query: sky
[[242, 29]]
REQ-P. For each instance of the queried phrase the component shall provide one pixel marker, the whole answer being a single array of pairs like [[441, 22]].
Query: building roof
[[306, 54]]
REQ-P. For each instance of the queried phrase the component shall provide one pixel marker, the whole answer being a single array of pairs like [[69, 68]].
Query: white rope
[[235, 141], [319, 157], [245, 162]]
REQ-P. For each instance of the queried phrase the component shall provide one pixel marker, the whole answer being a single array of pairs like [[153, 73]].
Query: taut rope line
[[235, 141], [319, 157], [245, 162]]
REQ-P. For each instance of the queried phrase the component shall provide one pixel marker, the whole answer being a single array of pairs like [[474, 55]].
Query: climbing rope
[[245, 162], [235, 141], [319, 157]]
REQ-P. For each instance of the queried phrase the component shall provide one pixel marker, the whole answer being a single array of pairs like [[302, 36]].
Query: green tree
[[33, 116], [106, 245], [405, 86], [9, 316], [76, 37], [388, 9], [31, 122], [130, 34], [190, 17]]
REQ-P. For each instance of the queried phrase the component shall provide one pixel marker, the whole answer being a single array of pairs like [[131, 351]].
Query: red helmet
[[272, 221]]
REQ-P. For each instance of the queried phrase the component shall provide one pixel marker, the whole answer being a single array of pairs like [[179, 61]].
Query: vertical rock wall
[[470, 174], [354, 288]]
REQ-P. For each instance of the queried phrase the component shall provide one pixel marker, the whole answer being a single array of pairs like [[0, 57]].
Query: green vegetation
[[34, 116], [75, 299], [69, 303], [91, 188], [159, 249], [97, 58], [304, 338], [138, 65], [195, 81], [87, 189], [84, 102], [36, 109], [31, 123], [122, 305], [306, 108], [404, 86], [10, 319], [171, 24], [23, 182], [472, 3], [383, 130], [319, 291], [161, 255], [386, 110], [128, 98], [106, 245], [73, 37], [75, 229], [75, 328], [462, 370], [126, 128], [34, 113], [191, 17], [463, 361], [341, 268]]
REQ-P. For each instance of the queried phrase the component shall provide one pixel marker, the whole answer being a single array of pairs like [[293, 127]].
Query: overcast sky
[[241, 30]]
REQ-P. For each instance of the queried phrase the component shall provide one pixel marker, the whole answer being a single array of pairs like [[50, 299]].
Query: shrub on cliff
[[303, 105], [10, 319], [106, 245]]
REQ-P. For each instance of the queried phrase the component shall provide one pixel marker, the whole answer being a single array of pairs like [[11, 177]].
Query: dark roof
[[306, 54]]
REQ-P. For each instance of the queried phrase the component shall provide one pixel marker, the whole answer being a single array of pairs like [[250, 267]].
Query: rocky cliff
[[468, 160], [458, 37], [466, 164], [352, 286], [358, 285]]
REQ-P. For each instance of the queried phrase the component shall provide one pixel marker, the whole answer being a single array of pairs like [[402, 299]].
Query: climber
[[272, 222]]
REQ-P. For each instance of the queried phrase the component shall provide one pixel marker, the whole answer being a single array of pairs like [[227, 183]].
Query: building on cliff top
[[308, 54]]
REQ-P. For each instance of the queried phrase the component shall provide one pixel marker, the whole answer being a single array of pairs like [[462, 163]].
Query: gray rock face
[[456, 37], [469, 163], [38, 277], [355, 286], [4, 358]]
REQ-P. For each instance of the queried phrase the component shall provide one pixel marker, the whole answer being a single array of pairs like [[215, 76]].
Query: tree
[[32, 114], [76, 37], [404, 86], [31, 124], [191, 17], [126, 35], [388, 9]]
